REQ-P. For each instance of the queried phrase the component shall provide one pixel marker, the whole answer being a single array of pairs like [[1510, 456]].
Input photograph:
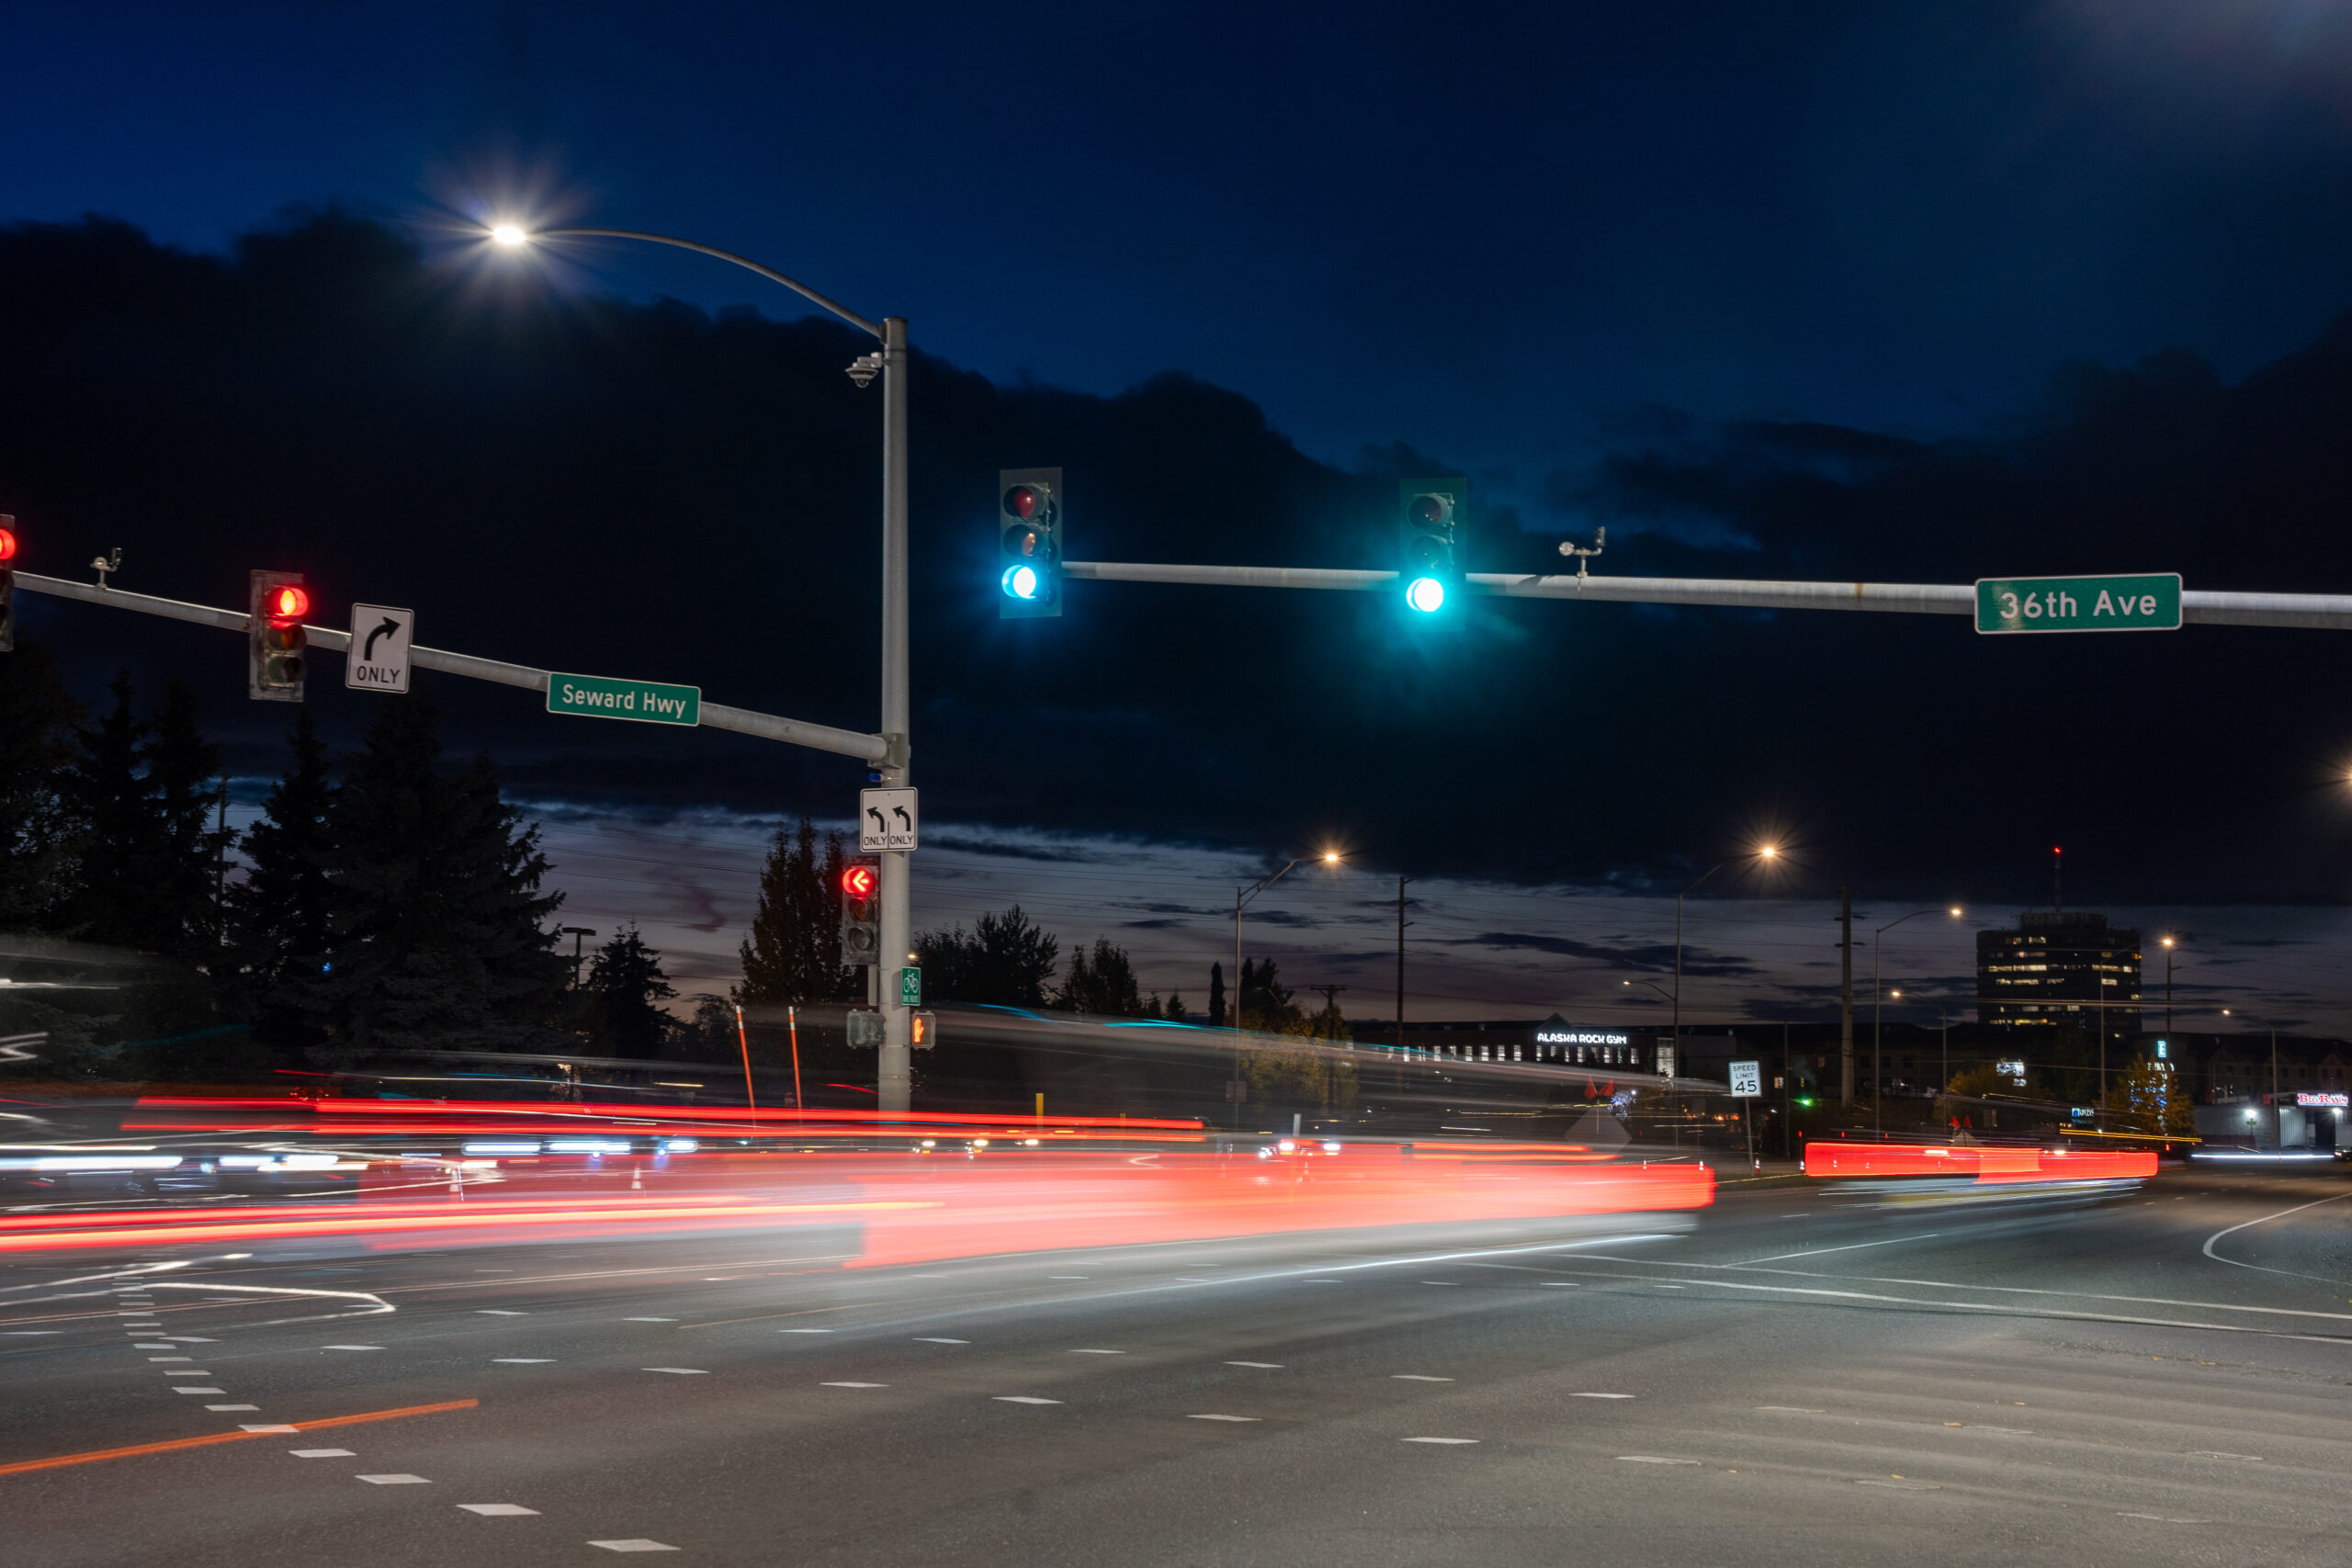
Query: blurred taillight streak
[[1989, 1164], [910, 1209]]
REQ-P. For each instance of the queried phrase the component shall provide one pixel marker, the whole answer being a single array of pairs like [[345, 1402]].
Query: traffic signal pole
[[895, 1082]]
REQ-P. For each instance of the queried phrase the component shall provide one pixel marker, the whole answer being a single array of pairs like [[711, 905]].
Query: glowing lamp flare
[[1426, 594], [508, 234]]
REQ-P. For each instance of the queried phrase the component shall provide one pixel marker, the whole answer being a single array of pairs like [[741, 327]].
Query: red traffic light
[[858, 882], [7, 540], [288, 604], [1027, 502]]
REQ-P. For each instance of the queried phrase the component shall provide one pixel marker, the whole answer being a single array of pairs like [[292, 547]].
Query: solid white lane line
[[1269, 1366], [2211, 1453], [2162, 1518], [498, 1510], [1022, 1398], [1097, 1352], [521, 1360], [1651, 1459], [1561, 1284], [493, 1312], [351, 1347], [1898, 1485], [1417, 1377], [1069, 1275], [1450, 1441], [1446, 1282], [1223, 1418], [322, 1453], [2265, 1219], [646, 1320], [853, 1385], [689, 1372], [393, 1479], [804, 1331], [1601, 1396], [638, 1544], [935, 1339], [1793, 1409]]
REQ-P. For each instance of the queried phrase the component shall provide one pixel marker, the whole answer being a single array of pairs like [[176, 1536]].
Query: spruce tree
[[792, 951], [37, 724], [626, 987], [279, 912], [110, 805], [1102, 981], [436, 933], [183, 881]]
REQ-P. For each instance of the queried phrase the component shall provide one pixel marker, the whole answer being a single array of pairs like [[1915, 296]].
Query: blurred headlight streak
[[93, 1162], [503, 1146], [1987, 1164]]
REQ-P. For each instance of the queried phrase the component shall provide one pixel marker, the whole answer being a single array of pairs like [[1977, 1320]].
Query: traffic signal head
[[860, 913], [1430, 517], [7, 582], [274, 639], [1029, 543]]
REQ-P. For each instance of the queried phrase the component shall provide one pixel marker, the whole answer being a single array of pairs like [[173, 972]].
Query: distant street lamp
[[1765, 852], [1878, 1058], [2168, 945], [1241, 899]]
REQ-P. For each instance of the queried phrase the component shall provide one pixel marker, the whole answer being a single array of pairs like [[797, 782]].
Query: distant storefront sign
[[1583, 1037], [2305, 1097]]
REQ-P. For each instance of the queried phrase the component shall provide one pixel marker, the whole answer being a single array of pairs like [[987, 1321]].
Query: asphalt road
[[1796, 1375]]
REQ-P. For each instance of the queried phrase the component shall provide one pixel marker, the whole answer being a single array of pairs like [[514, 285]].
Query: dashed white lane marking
[[648, 1320], [44, 1333], [351, 1347], [162, 1358], [1793, 1409], [493, 1312], [199, 1391], [1069, 1275], [1417, 1377], [1223, 1418], [1897, 1485], [1601, 1396], [1651, 1459], [393, 1479], [2212, 1454], [322, 1453], [265, 1426], [1097, 1352], [521, 1360], [1448, 1284], [804, 1331], [689, 1372], [1022, 1398], [1322, 1282], [2164, 1520], [1663, 1286], [164, 1346], [932, 1339], [227, 1407], [1447, 1440], [1268, 1365], [853, 1385], [498, 1510], [639, 1544], [1563, 1284]]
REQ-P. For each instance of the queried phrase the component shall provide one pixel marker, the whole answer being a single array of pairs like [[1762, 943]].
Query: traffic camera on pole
[[860, 913], [1029, 543], [275, 640], [7, 582], [1431, 513]]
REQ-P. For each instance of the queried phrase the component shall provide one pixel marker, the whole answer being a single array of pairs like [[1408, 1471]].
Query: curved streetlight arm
[[852, 317], [1265, 882]]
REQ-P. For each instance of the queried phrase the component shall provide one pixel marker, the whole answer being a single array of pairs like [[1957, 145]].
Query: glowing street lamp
[[1762, 852]]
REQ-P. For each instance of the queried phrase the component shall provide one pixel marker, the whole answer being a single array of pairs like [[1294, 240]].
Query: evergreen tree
[[1103, 982], [110, 804], [279, 914], [626, 988], [184, 884], [438, 932], [1265, 1001], [1004, 961], [1216, 995], [1174, 1012], [37, 724], [793, 954]]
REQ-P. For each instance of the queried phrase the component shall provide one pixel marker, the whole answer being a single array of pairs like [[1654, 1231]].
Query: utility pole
[[575, 933], [1400, 967], [896, 1079], [1846, 996]]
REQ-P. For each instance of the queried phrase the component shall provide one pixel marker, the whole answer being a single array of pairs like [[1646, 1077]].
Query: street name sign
[[885, 820], [642, 702], [380, 639], [1746, 1079], [2144, 602]]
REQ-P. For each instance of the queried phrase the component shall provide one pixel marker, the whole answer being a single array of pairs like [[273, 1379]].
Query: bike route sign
[[2142, 601]]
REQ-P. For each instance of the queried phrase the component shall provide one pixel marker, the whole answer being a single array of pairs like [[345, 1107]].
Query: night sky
[[1912, 292]]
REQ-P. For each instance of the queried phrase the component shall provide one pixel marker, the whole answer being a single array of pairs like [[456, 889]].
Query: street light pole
[[1242, 899], [1766, 851], [895, 1070], [1878, 1059], [2167, 941]]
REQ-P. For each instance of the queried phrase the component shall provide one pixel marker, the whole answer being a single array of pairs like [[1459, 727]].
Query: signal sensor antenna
[[1570, 547]]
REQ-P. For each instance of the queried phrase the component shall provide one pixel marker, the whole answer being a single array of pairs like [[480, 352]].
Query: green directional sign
[[2145, 601], [645, 702]]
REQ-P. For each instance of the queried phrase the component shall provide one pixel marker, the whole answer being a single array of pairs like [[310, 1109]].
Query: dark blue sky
[[1489, 232]]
